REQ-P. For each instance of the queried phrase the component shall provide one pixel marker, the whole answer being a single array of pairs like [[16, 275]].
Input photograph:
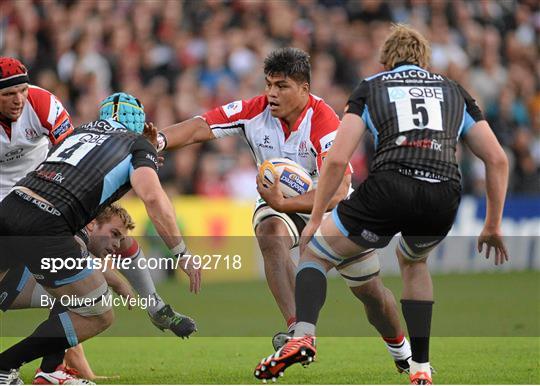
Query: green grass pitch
[[486, 331]]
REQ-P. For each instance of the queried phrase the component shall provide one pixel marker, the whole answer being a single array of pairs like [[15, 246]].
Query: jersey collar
[[405, 63], [299, 120]]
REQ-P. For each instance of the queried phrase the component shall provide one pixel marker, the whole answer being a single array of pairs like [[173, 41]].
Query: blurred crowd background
[[182, 58]]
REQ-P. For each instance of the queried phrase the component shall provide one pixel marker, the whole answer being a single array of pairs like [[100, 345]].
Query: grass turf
[[486, 330], [340, 361]]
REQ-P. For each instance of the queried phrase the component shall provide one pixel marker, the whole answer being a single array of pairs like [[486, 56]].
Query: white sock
[[423, 367], [291, 327], [399, 351], [302, 329], [140, 279]]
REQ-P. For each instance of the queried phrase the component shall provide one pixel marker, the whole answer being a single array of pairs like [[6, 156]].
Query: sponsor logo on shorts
[[294, 181], [3, 297], [431, 144], [425, 245], [422, 174], [369, 236]]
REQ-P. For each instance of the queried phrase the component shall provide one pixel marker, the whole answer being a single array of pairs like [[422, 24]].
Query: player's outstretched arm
[[184, 133], [483, 143], [145, 183]]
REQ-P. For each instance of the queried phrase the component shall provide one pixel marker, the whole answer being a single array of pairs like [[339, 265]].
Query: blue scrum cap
[[123, 108]]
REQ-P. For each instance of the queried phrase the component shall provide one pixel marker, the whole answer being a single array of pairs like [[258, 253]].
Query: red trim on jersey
[[40, 100], [323, 122], [311, 103], [6, 127], [250, 109], [131, 250]]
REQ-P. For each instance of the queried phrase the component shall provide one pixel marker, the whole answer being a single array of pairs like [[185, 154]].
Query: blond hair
[[405, 44], [115, 210]]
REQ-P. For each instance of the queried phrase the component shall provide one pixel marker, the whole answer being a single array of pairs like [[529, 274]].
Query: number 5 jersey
[[416, 118]]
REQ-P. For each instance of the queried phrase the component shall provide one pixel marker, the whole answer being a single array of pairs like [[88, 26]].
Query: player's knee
[[105, 320], [371, 293], [271, 227], [96, 304], [101, 322], [271, 234], [359, 273]]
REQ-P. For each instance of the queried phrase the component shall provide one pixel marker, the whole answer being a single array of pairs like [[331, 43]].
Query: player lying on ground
[[106, 234], [416, 118], [39, 218], [288, 121], [33, 119]]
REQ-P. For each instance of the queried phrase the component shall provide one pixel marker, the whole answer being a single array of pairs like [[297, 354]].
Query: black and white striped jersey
[[90, 169], [416, 118]]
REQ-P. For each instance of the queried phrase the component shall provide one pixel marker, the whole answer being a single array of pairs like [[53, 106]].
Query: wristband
[[180, 249], [162, 141]]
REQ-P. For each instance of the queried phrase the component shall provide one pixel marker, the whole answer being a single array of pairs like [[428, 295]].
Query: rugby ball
[[293, 179]]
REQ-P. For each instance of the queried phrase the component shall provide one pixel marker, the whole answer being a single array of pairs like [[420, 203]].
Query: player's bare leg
[[64, 330], [310, 294], [275, 244], [86, 326], [76, 359]]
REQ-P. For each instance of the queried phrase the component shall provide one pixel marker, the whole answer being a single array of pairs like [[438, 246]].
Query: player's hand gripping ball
[[293, 179]]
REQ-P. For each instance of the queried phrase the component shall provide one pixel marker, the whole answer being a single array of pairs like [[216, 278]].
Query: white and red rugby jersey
[[24, 143], [306, 143]]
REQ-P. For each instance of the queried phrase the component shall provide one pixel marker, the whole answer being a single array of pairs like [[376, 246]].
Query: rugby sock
[[399, 347], [310, 294], [140, 279], [51, 361], [291, 322], [53, 335], [417, 314], [420, 367]]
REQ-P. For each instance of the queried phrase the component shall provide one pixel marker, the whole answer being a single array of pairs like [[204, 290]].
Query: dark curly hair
[[290, 62]]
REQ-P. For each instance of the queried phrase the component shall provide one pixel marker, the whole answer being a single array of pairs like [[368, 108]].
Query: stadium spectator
[[220, 43]]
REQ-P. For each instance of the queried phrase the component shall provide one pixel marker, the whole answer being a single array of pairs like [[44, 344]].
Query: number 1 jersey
[[416, 118]]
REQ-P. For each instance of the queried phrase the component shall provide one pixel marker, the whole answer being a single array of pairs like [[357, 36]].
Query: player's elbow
[[337, 161], [150, 197], [497, 159]]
